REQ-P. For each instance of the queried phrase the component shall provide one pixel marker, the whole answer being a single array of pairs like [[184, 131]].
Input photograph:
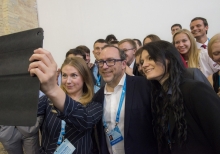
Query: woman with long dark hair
[[185, 111]]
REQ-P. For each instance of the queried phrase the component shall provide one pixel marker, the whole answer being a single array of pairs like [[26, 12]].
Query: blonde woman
[[185, 43], [214, 53], [70, 124]]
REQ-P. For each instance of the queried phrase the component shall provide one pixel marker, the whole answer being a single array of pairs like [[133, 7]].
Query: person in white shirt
[[199, 28], [126, 126], [195, 58]]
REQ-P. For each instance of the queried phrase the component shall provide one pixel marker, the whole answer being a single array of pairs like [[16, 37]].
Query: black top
[[215, 78], [202, 111]]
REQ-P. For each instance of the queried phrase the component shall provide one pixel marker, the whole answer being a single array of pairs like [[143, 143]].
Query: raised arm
[[45, 68]]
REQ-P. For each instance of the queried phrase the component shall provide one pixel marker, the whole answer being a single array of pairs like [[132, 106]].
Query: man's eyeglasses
[[125, 50], [109, 62]]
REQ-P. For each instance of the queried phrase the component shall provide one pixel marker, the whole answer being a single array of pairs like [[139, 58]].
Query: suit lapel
[[128, 103]]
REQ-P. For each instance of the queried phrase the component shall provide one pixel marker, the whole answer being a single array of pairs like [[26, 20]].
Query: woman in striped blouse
[[69, 112]]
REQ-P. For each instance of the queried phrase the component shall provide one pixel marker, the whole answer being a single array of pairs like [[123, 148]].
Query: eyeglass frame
[[106, 61], [125, 50]]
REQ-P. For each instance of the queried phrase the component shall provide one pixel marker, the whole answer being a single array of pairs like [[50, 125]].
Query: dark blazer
[[138, 133], [196, 74], [202, 112]]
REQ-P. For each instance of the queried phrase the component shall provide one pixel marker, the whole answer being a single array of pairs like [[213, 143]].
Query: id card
[[96, 88], [114, 136], [65, 148]]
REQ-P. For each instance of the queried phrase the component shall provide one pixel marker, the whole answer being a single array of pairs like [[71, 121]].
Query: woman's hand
[[45, 68]]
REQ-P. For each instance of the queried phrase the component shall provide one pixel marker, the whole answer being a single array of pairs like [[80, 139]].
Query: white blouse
[[207, 65]]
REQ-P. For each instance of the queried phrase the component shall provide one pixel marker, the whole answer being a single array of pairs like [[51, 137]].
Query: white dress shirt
[[199, 45], [207, 65], [132, 64], [111, 103]]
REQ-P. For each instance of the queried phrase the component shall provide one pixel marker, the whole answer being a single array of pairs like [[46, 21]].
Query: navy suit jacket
[[138, 133]]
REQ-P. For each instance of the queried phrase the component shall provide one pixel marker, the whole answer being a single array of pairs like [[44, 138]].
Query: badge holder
[[65, 148], [114, 136]]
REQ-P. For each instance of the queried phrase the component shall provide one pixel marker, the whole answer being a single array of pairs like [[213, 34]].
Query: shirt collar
[[200, 44], [132, 64]]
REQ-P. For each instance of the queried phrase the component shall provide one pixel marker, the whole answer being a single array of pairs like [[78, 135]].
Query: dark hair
[[164, 52], [110, 38], [121, 53], [138, 42], [83, 48], [138, 52], [114, 42], [76, 52], [176, 25], [100, 41], [203, 19], [152, 37]]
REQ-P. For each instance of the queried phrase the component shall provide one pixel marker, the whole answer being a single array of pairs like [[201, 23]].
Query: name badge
[[96, 88], [65, 148], [114, 136]]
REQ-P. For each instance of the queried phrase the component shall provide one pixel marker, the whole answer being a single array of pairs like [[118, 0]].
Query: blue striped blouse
[[79, 123]]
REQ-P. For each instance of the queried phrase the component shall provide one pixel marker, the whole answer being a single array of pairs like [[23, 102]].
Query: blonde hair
[[214, 39], [193, 52], [84, 71]]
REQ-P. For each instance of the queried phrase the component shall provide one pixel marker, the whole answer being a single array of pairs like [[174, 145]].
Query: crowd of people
[[149, 97]]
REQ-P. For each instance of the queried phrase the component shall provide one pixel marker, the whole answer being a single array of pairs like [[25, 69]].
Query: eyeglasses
[[125, 50], [109, 62]]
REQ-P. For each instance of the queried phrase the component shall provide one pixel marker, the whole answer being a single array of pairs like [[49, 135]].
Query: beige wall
[[17, 15]]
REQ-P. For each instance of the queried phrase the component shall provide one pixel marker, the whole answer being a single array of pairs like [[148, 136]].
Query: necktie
[[204, 46]]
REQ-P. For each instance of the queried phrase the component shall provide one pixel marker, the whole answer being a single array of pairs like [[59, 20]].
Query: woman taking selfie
[[68, 124], [185, 111]]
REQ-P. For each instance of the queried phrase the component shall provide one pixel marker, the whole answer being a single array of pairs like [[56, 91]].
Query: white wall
[[69, 23]]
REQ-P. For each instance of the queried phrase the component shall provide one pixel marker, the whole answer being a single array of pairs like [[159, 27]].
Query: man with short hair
[[87, 52], [76, 53], [129, 48], [97, 48], [175, 28], [126, 108], [199, 28]]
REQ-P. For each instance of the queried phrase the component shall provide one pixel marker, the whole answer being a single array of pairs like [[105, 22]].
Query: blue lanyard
[[62, 132], [119, 107], [98, 80]]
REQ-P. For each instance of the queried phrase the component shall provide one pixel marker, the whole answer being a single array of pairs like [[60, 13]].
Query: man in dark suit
[[127, 119]]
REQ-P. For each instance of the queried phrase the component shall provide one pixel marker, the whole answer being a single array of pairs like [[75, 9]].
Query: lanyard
[[98, 80], [119, 108], [62, 132]]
